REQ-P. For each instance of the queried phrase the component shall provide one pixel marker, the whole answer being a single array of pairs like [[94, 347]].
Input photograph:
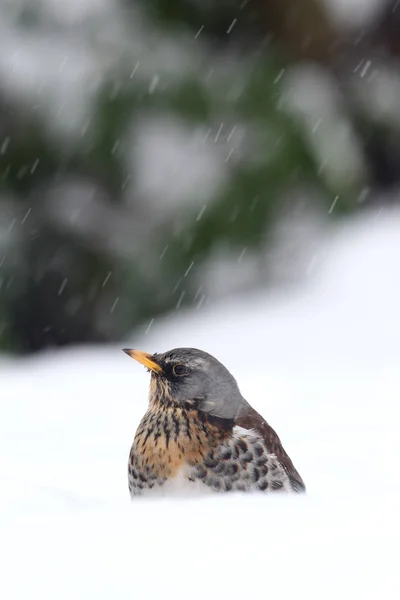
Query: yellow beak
[[145, 359]]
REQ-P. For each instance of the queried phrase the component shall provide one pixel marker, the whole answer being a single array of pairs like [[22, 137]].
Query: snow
[[321, 363], [171, 162], [350, 14], [379, 91], [57, 66], [314, 100]]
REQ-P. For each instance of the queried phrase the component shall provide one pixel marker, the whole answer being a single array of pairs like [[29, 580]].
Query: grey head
[[192, 375]]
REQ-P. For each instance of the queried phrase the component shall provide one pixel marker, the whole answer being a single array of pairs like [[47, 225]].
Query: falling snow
[[178, 304], [106, 279], [149, 327], [333, 204], [121, 139], [135, 69], [201, 213], [189, 269], [199, 32], [231, 26], [114, 306], [26, 216], [62, 286], [154, 83]]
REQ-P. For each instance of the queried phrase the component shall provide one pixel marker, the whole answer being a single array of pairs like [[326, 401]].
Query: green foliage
[[214, 17], [273, 159]]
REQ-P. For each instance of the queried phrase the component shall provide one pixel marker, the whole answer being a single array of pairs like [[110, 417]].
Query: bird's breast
[[166, 442]]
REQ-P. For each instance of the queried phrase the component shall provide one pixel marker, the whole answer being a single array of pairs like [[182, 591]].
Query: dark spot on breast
[[258, 450], [256, 475], [247, 457], [242, 445], [226, 454], [235, 452], [148, 434], [263, 485], [220, 467], [187, 425], [200, 472], [177, 427], [210, 461], [229, 469], [277, 485], [216, 484]]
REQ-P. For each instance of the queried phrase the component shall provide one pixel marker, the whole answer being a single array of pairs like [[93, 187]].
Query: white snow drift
[[322, 365]]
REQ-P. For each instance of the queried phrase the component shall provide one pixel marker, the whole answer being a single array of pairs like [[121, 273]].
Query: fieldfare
[[200, 434]]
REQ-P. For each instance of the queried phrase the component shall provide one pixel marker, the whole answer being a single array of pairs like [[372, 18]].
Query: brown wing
[[251, 419]]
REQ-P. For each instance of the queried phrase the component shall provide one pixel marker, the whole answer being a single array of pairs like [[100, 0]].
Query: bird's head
[[191, 377]]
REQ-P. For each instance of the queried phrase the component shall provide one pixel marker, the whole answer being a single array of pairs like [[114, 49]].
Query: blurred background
[[156, 155]]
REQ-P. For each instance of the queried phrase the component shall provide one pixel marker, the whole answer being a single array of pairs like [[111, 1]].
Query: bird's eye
[[180, 370]]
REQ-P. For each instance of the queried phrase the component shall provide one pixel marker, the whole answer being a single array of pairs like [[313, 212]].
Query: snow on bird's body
[[200, 435]]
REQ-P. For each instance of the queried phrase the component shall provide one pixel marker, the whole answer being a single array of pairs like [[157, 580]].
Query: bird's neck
[[170, 436]]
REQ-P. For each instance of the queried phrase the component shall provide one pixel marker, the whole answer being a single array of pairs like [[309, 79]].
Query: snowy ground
[[322, 364]]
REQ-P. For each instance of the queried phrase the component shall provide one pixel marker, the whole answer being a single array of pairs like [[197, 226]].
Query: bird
[[200, 435]]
